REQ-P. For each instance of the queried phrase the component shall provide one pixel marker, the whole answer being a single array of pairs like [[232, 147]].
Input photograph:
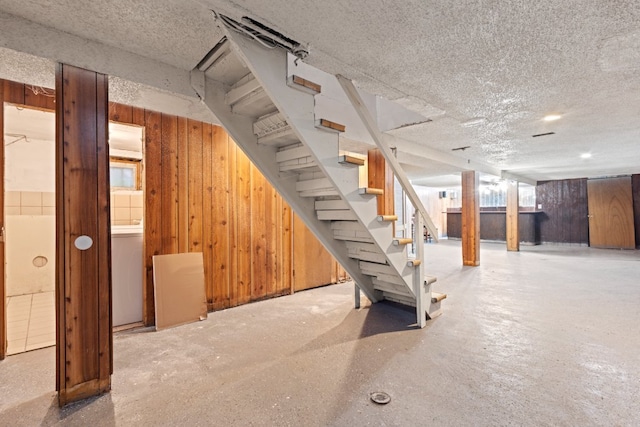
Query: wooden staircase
[[271, 113]]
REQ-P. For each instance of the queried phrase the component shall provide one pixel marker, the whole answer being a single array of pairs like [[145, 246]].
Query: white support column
[[418, 274], [357, 295]]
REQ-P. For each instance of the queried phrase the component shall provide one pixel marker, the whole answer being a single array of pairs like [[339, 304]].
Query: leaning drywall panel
[[178, 281]]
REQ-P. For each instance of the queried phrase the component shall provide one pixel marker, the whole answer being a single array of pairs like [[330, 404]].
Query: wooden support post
[[3, 296], [380, 175], [470, 218], [83, 243], [512, 217]]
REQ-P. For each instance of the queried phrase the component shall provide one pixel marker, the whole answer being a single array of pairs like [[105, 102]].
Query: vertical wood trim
[[153, 207], [3, 294], [183, 185], [287, 247], [258, 220], [272, 231], [512, 217], [195, 185], [233, 224], [221, 227], [169, 152], [470, 218], [207, 211], [243, 227], [104, 228], [83, 288]]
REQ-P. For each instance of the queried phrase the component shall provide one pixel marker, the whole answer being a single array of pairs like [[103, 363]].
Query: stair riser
[[352, 236], [336, 215], [297, 164]]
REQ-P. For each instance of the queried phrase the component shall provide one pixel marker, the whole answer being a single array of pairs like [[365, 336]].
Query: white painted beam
[[519, 178], [29, 37]]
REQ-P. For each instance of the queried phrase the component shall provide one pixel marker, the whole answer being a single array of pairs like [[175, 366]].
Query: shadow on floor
[[44, 411], [368, 357], [380, 318]]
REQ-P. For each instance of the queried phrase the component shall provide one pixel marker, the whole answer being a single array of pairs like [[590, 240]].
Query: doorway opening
[[30, 226]]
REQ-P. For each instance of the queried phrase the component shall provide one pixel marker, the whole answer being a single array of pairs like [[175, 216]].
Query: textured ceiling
[[486, 72]]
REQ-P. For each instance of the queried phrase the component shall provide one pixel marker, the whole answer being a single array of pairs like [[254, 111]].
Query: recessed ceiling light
[[585, 155], [552, 117]]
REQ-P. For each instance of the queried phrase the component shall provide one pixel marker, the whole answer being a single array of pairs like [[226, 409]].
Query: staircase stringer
[[264, 158], [269, 67]]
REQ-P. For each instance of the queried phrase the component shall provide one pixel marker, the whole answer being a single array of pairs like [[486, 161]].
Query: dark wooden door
[[611, 213]]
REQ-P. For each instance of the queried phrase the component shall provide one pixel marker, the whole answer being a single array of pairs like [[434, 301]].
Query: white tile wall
[[29, 203], [126, 207]]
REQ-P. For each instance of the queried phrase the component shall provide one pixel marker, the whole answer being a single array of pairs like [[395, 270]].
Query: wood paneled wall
[[313, 266], [635, 188], [565, 208], [203, 194]]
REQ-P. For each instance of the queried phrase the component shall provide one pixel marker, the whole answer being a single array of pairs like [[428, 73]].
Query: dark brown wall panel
[[564, 207]]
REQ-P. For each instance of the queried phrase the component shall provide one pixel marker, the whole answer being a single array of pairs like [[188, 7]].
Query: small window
[[124, 174]]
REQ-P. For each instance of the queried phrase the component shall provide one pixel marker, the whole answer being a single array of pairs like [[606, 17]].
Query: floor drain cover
[[380, 397]]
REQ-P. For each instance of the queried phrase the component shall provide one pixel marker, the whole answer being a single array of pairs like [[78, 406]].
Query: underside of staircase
[[275, 115]]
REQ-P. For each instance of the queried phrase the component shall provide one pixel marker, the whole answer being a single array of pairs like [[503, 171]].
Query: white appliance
[[126, 270]]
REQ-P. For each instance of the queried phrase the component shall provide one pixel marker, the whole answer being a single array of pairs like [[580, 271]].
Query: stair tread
[[331, 126], [351, 160], [437, 297], [372, 191], [402, 241], [307, 84]]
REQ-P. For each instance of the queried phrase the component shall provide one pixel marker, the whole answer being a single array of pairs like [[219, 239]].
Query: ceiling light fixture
[[585, 155], [552, 117]]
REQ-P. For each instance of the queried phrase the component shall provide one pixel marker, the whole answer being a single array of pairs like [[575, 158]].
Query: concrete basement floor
[[547, 336]]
